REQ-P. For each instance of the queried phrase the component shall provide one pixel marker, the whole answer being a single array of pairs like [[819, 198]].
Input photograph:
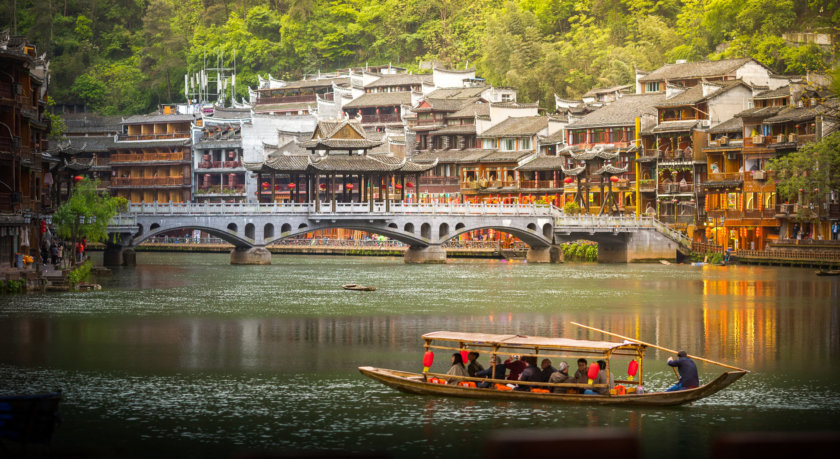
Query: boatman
[[688, 372]]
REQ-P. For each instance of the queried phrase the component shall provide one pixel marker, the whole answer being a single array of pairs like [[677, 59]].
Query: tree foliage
[[126, 56], [95, 208], [809, 173]]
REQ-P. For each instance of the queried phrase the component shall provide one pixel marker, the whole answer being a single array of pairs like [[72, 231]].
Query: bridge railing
[[363, 208]]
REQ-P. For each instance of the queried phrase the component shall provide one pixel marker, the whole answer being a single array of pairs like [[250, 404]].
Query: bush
[[571, 208], [12, 286], [580, 251], [80, 274]]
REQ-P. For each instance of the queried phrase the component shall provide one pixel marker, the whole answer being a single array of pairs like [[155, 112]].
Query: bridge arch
[[443, 231], [409, 228], [426, 231], [392, 231], [286, 228], [232, 227], [250, 230], [530, 237], [268, 230], [227, 236]]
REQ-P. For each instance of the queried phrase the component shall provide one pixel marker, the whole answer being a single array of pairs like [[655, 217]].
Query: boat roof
[[530, 341]]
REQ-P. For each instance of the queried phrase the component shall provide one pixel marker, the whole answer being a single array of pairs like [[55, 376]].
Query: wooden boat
[[828, 272], [625, 392], [357, 287], [29, 418]]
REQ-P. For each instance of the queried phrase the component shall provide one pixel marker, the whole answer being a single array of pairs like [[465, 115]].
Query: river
[[186, 355]]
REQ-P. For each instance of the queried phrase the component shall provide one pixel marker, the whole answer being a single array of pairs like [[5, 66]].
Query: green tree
[[87, 213], [809, 174]]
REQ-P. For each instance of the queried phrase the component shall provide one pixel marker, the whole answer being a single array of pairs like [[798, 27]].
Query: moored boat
[[626, 391], [828, 272], [360, 288]]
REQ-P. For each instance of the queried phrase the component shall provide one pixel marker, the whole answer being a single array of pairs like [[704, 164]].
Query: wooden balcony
[[217, 189], [150, 182], [169, 135], [759, 176], [537, 184], [219, 164], [675, 188], [438, 180], [147, 157], [381, 118], [722, 176]]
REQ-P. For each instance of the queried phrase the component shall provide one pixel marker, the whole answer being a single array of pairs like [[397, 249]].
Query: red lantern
[[568, 180], [78, 178], [398, 186], [409, 185], [428, 359], [292, 186], [277, 187], [266, 184], [349, 186], [592, 373], [633, 368], [464, 355], [323, 186], [614, 179]]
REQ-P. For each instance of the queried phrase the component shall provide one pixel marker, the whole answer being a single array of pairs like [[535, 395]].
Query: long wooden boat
[[359, 288], [631, 393], [828, 272]]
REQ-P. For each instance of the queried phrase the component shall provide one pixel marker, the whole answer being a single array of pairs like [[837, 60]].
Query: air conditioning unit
[[723, 140], [759, 175], [791, 138], [758, 139], [731, 155], [780, 138]]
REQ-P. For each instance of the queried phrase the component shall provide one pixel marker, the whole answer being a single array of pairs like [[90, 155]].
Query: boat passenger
[[457, 369], [601, 379], [532, 374], [516, 367], [580, 374], [547, 369], [559, 377], [474, 367], [495, 371], [689, 379]]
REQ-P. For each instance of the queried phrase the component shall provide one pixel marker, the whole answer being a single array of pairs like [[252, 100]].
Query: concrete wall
[[446, 79], [726, 105], [756, 75]]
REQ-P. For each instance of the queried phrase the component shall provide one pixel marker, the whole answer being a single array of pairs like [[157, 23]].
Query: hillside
[[126, 56]]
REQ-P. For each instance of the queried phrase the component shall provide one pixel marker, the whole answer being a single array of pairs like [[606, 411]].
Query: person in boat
[[601, 379], [516, 367], [495, 371], [457, 369], [532, 373], [580, 374], [547, 369], [559, 377], [474, 367], [689, 379]]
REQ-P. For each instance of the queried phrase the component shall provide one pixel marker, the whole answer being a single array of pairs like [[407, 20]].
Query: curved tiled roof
[[695, 70], [622, 112], [517, 126]]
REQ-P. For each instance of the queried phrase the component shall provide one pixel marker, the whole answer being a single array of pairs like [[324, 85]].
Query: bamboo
[[657, 347]]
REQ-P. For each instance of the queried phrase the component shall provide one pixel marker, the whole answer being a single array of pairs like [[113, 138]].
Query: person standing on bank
[[689, 378]]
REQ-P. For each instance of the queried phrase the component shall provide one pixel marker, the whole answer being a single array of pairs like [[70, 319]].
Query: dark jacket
[[688, 372], [488, 372], [473, 368], [532, 374], [546, 373]]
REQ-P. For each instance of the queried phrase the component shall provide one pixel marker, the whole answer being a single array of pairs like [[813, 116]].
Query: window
[[525, 144], [506, 98], [488, 143], [508, 144], [578, 137], [599, 136], [652, 87]]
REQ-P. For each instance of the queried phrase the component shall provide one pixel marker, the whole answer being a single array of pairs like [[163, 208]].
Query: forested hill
[[126, 56]]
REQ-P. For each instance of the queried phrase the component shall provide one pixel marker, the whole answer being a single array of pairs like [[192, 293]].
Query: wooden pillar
[[344, 187], [387, 194], [332, 191], [273, 186], [259, 186], [317, 192], [369, 192], [402, 188]]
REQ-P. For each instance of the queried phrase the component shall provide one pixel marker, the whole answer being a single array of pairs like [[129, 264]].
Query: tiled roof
[[609, 169], [695, 70], [319, 83], [445, 105], [262, 108], [284, 162], [622, 112], [400, 79], [517, 126], [760, 112], [557, 137], [777, 93], [675, 126], [90, 144], [451, 156], [363, 163], [440, 69], [731, 125], [797, 114], [380, 99], [543, 163], [471, 111], [505, 156], [596, 91], [353, 144], [232, 113], [457, 93], [87, 123], [455, 129], [156, 118], [695, 95]]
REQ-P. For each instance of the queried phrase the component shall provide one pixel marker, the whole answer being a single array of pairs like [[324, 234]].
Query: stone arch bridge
[[250, 227]]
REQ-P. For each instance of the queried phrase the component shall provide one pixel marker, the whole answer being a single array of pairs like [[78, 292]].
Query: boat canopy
[[539, 342]]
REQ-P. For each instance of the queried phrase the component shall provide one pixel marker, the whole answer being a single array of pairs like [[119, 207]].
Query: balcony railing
[[647, 185], [168, 135], [146, 157], [721, 176], [287, 99], [531, 184], [150, 181], [217, 189], [676, 219], [759, 176], [439, 180], [381, 118], [219, 164], [676, 156], [674, 188], [427, 121]]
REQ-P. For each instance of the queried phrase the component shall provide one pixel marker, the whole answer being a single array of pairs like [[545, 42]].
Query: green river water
[[185, 355]]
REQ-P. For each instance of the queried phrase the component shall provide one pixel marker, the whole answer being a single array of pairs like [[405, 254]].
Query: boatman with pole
[[688, 372]]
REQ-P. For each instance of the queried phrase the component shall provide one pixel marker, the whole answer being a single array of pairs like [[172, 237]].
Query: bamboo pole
[[655, 346]]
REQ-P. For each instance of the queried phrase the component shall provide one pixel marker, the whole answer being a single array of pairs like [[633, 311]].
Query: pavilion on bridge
[[339, 163]]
